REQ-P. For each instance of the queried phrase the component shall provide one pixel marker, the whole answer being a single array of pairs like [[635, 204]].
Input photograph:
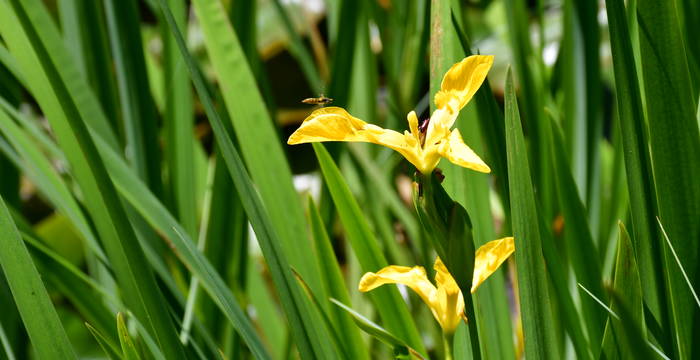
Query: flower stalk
[[448, 341]]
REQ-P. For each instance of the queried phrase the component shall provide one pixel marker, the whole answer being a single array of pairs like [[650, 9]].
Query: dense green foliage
[[151, 208]]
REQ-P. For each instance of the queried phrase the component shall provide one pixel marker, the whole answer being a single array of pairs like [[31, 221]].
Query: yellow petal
[[413, 124], [443, 278], [489, 257], [336, 124], [439, 126], [414, 277], [329, 124], [448, 306], [461, 82], [455, 150]]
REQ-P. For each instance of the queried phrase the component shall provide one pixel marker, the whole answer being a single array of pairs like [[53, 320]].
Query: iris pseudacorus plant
[[445, 301], [426, 143]]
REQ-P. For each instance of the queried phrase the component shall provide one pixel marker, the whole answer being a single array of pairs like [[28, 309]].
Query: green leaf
[[376, 331], [77, 87], [385, 191], [640, 182], [343, 50], [387, 300], [631, 334], [129, 350], [492, 126], [675, 155], [227, 233], [528, 68], [678, 262], [137, 109], [84, 32], [325, 317], [444, 45], [6, 344], [486, 119], [581, 250], [274, 329], [362, 85], [335, 286], [628, 286], [179, 122], [39, 316], [449, 227], [575, 116], [11, 65], [81, 290], [38, 168], [582, 98], [535, 307], [456, 231], [153, 211], [109, 348], [28, 29]]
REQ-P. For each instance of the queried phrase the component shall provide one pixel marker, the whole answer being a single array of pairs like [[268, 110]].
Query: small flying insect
[[321, 100]]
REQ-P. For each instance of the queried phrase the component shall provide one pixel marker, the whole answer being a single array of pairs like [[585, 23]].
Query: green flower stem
[[448, 341], [471, 324]]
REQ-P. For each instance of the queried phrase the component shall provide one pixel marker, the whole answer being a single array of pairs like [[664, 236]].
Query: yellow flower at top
[[426, 143], [445, 301]]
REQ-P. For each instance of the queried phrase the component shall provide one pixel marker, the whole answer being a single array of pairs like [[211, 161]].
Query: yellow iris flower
[[422, 146], [446, 301]]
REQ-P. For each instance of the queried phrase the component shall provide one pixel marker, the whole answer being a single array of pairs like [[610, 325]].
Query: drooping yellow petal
[[443, 278], [455, 150], [489, 257], [336, 124], [330, 124], [446, 301], [461, 82], [415, 278], [448, 308], [448, 305]]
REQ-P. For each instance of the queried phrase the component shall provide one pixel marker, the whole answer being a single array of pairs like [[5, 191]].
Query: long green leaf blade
[[38, 168], [48, 337], [536, 311], [179, 122], [335, 286], [84, 30], [578, 239], [675, 155], [375, 330], [129, 350], [629, 288], [528, 69], [136, 105], [640, 180]]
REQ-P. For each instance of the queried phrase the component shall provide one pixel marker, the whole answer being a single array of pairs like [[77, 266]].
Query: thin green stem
[[471, 324], [448, 340]]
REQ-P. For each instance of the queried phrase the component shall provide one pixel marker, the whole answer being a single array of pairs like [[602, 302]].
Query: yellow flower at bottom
[[423, 146], [445, 301]]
